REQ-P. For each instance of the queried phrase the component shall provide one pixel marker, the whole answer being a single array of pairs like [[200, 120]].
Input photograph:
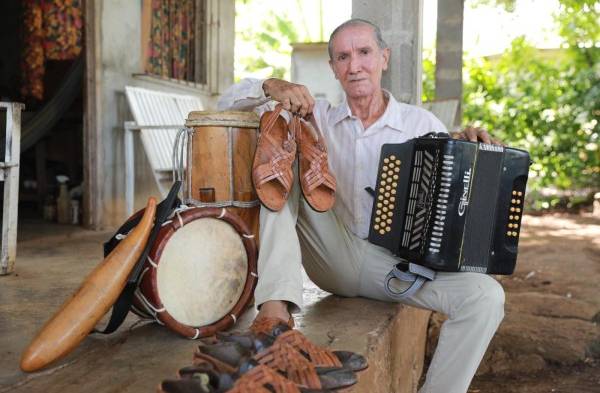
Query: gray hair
[[356, 22]]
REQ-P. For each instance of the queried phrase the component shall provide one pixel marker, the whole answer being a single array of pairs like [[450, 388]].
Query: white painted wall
[[310, 67], [119, 58]]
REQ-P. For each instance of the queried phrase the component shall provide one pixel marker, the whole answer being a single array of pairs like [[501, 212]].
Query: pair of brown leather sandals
[[271, 358], [272, 172]]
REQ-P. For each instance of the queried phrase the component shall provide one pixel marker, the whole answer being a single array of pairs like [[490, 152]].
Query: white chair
[[9, 174], [158, 116]]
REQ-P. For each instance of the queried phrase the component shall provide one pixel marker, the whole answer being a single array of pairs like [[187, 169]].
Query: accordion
[[450, 205]]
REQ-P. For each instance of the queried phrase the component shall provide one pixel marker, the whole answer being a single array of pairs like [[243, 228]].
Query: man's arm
[[243, 96], [251, 93]]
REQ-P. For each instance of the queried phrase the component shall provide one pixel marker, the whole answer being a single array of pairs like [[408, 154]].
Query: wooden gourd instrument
[[99, 291]]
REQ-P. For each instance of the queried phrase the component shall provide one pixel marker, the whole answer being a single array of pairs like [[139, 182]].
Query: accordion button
[[392, 199], [511, 217], [384, 175], [381, 189], [389, 221], [385, 209], [382, 232], [378, 212], [514, 192], [513, 201], [379, 205], [393, 191], [512, 209], [514, 233], [376, 226], [386, 160], [394, 184], [382, 182], [398, 162], [387, 194], [515, 225], [385, 168], [388, 229], [392, 157], [395, 177], [510, 225], [396, 169], [518, 210], [377, 219], [509, 233], [380, 197], [519, 193], [518, 201]]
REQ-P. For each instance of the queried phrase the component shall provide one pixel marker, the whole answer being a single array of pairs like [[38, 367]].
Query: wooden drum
[[200, 273], [220, 151]]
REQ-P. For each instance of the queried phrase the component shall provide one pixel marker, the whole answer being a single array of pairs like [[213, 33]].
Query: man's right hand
[[292, 96]]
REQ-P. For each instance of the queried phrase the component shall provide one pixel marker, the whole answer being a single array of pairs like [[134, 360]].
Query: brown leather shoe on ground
[[317, 182], [272, 173]]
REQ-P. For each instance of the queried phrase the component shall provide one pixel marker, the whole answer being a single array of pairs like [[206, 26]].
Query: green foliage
[[267, 40], [428, 88], [508, 5], [547, 107]]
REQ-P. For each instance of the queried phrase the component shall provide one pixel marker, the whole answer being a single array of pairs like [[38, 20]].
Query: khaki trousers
[[339, 262]]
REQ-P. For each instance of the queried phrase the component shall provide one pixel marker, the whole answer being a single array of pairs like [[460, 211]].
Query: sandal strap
[[279, 167], [282, 156], [284, 358], [316, 153], [265, 325], [257, 380], [319, 356]]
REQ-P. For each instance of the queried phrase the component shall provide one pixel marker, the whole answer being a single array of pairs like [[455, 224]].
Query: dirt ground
[[549, 340]]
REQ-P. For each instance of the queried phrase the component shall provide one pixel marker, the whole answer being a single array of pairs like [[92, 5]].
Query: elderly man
[[332, 246]]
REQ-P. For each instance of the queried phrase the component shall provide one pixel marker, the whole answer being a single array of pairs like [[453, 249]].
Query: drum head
[[202, 272]]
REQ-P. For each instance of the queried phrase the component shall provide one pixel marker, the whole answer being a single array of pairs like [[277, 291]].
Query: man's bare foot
[[274, 309]]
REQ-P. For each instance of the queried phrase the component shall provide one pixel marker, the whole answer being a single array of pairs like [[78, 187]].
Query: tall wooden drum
[[220, 151]]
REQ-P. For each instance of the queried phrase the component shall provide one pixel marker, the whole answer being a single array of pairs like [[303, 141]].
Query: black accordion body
[[450, 205]]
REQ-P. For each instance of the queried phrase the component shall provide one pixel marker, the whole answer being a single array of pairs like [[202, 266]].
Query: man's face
[[357, 61]]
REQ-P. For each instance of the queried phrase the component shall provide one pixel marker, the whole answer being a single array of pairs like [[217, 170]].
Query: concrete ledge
[[138, 357]]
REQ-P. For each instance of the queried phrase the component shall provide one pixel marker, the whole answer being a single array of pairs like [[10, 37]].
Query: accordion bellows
[[450, 205]]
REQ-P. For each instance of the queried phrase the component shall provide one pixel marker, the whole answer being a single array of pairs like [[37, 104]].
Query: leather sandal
[[231, 357], [266, 331], [259, 379], [317, 182], [272, 173]]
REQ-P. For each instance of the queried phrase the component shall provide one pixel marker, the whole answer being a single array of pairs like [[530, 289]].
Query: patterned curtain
[[171, 46], [53, 30]]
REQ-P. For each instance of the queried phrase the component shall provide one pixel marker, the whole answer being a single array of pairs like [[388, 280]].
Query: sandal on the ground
[[317, 182], [259, 379], [265, 331], [231, 357], [272, 173]]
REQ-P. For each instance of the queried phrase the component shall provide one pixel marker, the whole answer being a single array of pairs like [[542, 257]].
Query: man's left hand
[[475, 134]]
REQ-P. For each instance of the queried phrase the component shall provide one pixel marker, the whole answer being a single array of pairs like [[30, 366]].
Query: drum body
[[200, 273], [220, 151]]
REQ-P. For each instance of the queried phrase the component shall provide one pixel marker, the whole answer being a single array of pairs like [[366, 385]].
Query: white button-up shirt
[[353, 151]]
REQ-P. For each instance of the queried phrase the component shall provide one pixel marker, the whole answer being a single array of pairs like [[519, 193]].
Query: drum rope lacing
[[148, 306], [181, 145]]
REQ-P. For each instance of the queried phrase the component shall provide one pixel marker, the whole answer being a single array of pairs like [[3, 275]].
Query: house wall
[[310, 67], [114, 58]]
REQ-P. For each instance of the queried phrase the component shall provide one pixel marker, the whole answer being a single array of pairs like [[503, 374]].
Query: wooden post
[[448, 58], [10, 175]]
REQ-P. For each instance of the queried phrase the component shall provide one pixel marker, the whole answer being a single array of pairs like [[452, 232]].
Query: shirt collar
[[391, 116]]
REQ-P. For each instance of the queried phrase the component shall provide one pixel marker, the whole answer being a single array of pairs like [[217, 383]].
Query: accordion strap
[[416, 275]]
